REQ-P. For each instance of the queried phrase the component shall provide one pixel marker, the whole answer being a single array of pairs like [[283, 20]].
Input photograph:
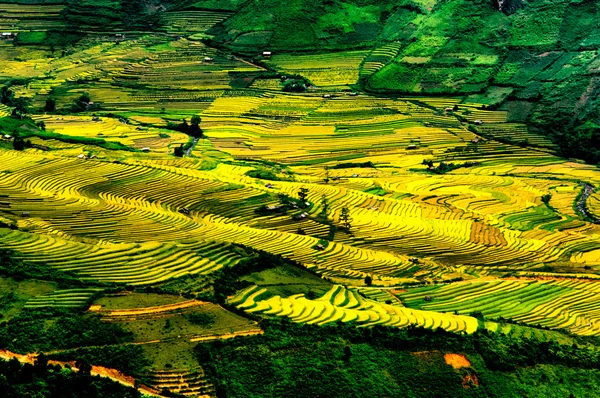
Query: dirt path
[[227, 335], [188, 152], [101, 371], [150, 310], [189, 336], [581, 206]]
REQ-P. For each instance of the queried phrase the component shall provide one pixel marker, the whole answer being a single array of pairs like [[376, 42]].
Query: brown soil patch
[[487, 234], [457, 361], [101, 371], [470, 380], [8, 355]]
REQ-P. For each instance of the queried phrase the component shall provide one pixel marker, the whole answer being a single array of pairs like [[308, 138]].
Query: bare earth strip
[[101, 371]]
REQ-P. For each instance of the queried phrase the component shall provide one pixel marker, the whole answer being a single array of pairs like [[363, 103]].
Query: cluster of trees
[[341, 360], [582, 140], [192, 129], [287, 202], [179, 151], [444, 167], [127, 358], [295, 84], [29, 332], [19, 143], [203, 319], [53, 381], [20, 105], [263, 174], [227, 281], [81, 104]]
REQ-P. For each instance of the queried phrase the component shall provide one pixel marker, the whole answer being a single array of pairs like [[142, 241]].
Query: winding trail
[[188, 151], [581, 206]]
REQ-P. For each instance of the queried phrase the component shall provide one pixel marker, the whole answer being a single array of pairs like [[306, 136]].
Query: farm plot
[[469, 219], [65, 298], [327, 70], [558, 304], [172, 319], [117, 217], [340, 304]]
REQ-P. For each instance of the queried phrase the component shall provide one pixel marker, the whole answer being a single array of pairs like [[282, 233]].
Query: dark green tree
[[179, 151], [324, 206], [85, 369], [294, 86], [41, 363], [427, 162], [194, 129], [81, 103], [20, 107], [6, 95], [18, 142], [50, 105], [284, 200], [347, 354], [303, 196], [345, 218]]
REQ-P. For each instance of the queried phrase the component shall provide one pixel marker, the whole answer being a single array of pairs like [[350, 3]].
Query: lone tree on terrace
[[179, 151], [345, 218], [50, 105], [324, 206], [194, 130], [20, 107], [303, 196]]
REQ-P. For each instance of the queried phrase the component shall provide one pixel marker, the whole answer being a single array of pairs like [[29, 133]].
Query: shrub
[[201, 319]]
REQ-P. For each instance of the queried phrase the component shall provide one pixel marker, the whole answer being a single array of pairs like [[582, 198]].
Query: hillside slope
[[536, 59]]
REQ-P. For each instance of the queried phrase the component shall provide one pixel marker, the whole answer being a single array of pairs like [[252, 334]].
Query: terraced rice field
[[115, 216], [185, 382], [559, 304], [340, 304], [327, 70], [65, 298], [472, 221]]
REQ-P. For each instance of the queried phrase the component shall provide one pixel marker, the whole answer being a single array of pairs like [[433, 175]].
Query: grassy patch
[[287, 280]]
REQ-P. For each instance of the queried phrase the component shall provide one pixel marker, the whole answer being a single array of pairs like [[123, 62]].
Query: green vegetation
[[127, 358], [339, 360], [227, 282], [263, 174], [401, 179], [201, 319], [350, 165], [41, 330], [42, 380], [13, 267]]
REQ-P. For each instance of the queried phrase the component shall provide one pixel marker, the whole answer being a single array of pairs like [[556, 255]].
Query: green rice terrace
[[256, 198]]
